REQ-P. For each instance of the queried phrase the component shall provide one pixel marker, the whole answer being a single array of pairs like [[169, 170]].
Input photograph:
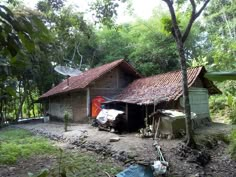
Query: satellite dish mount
[[69, 71]]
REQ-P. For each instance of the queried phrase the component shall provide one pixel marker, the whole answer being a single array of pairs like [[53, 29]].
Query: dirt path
[[130, 146], [129, 143]]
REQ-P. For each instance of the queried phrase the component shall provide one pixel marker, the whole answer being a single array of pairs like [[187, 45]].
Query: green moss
[[17, 143]]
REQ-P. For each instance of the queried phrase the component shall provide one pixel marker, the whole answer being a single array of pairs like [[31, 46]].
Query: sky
[[142, 8]]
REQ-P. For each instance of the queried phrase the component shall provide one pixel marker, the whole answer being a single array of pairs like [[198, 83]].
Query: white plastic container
[[46, 119]]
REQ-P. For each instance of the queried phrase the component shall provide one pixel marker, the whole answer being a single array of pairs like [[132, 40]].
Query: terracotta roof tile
[[158, 88], [83, 80]]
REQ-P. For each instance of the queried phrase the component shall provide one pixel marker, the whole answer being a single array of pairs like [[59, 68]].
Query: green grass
[[17, 143], [84, 165], [232, 147]]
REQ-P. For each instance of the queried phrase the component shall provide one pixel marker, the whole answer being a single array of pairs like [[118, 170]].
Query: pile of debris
[[200, 157], [149, 169]]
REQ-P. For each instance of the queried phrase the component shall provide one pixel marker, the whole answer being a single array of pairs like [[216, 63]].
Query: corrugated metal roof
[[162, 87], [83, 80]]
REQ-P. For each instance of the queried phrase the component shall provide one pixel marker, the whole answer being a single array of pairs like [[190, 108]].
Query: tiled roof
[[162, 87], [83, 80]]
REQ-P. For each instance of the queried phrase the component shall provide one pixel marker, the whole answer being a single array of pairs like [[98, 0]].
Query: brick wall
[[79, 106], [59, 105], [76, 104], [110, 84]]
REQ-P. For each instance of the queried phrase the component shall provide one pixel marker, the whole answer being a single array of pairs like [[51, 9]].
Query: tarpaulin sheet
[[136, 171], [108, 114]]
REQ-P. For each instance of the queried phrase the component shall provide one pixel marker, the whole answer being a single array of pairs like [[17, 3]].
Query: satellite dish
[[67, 71]]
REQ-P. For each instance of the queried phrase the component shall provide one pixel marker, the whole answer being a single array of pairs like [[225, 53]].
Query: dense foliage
[[33, 42], [233, 144], [220, 54]]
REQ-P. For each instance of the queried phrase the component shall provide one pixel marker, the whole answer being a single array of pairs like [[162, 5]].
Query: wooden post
[[49, 106], [157, 127], [153, 117], [88, 102], [146, 117], [127, 117], [126, 111]]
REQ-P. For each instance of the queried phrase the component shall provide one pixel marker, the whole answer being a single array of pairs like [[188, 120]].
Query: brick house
[[75, 94]]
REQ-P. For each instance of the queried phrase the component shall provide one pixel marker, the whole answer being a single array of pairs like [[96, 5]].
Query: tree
[[105, 11], [150, 49], [221, 53], [19, 33], [153, 50], [180, 38], [220, 24], [70, 31]]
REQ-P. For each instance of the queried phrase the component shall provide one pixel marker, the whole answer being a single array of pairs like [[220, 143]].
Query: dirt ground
[[23, 166], [128, 142], [220, 165]]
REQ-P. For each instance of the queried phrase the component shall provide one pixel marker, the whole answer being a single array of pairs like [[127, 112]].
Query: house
[[164, 91], [124, 89], [75, 94]]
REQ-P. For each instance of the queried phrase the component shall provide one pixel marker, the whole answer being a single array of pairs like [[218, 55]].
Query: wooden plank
[[157, 127]]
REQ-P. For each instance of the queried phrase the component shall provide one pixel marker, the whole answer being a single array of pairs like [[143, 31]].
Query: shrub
[[66, 121], [218, 102], [232, 147], [232, 116]]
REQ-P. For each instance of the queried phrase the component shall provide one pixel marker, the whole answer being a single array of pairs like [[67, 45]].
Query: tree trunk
[[1, 112], [180, 38], [189, 131], [32, 102], [5, 110], [19, 111], [21, 102], [15, 107], [28, 106]]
